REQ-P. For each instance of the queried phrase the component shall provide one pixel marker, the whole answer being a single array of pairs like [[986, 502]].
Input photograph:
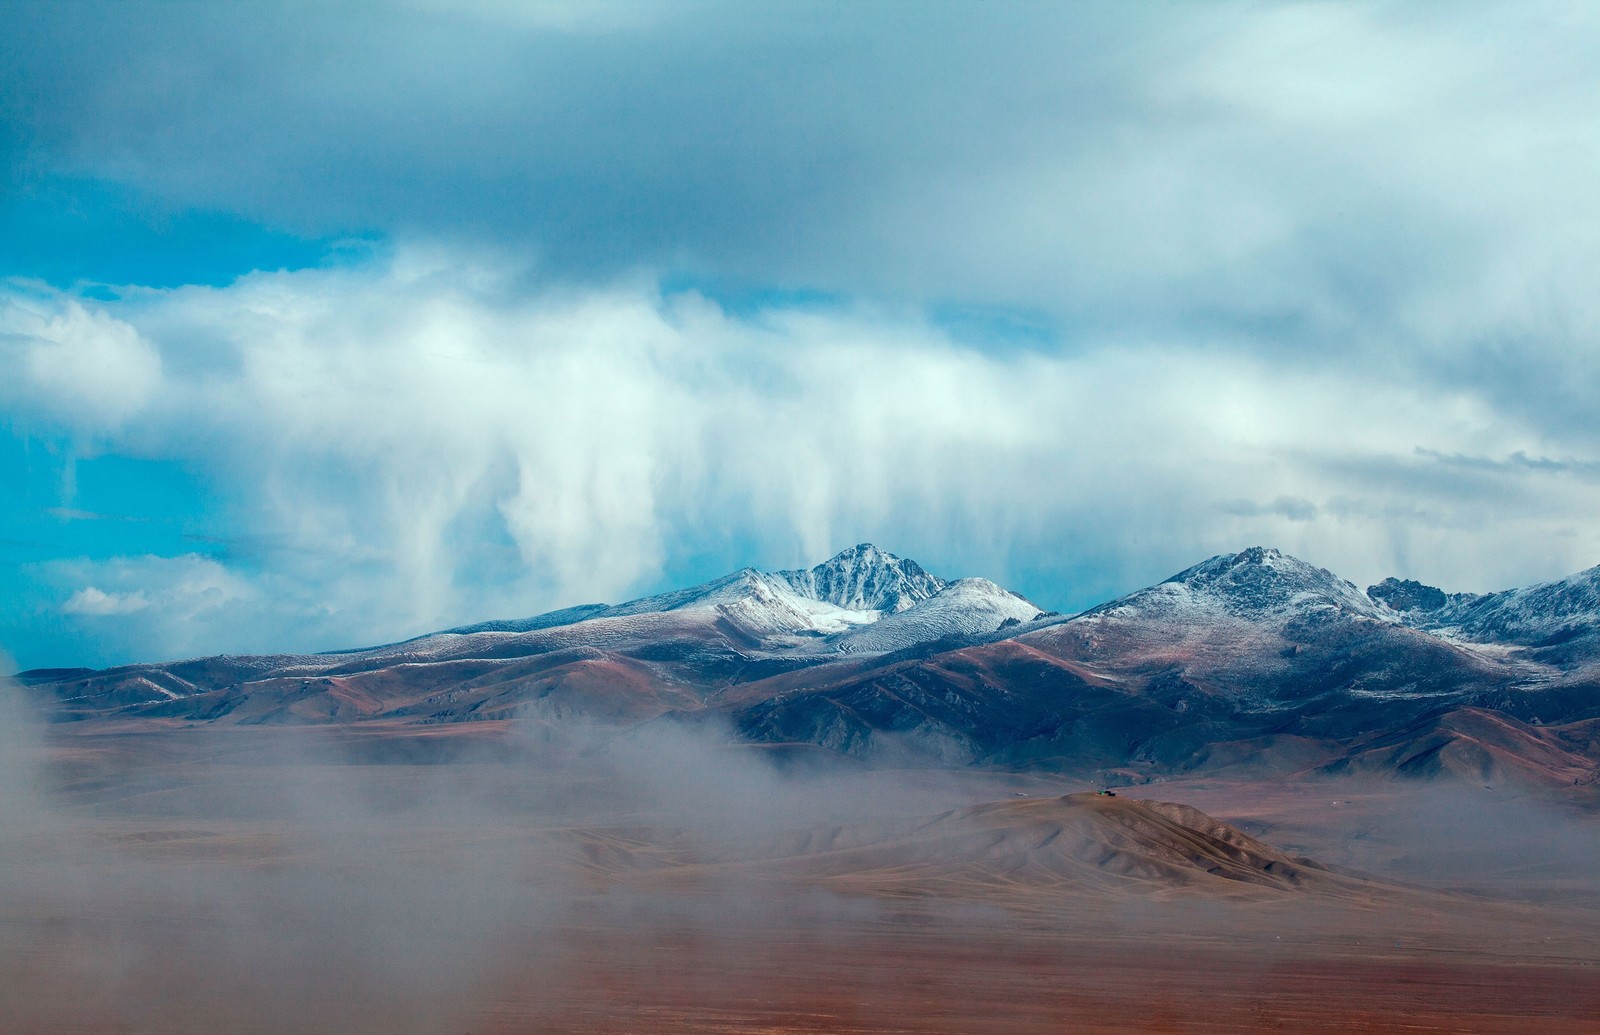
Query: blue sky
[[335, 326]]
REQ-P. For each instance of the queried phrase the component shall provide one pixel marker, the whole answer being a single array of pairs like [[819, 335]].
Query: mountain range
[[1254, 661]]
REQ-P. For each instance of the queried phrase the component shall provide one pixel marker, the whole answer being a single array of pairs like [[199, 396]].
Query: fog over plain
[[544, 876]]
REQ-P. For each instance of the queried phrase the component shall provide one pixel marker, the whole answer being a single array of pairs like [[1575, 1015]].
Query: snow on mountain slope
[[784, 610], [727, 589], [1254, 585], [1545, 615], [865, 600], [1265, 632], [865, 578], [1253, 658], [760, 603], [765, 611], [548, 620], [966, 606], [430, 644]]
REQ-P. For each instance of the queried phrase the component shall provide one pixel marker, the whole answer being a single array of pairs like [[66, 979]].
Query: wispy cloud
[[1291, 507], [1518, 461], [170, 606], [428, 440], [75, 514], [95, 602]]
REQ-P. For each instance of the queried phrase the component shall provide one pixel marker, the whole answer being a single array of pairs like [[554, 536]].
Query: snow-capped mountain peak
[[1255, 583], [811, 611], [865, 578], [1262, 580]]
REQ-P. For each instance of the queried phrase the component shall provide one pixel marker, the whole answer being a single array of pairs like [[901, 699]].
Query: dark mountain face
[[1251, 659], [1002, 703], [1407, 595]]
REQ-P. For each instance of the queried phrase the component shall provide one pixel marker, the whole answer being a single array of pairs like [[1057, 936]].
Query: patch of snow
[[966, 606], [170, 695]]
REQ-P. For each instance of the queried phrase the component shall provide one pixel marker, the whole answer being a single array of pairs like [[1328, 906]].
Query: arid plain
[[504, 877]]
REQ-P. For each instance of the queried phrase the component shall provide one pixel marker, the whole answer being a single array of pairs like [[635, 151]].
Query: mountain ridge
[[1252, 658]]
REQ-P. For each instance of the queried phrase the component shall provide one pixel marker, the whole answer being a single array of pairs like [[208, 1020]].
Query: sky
[[328, 325]]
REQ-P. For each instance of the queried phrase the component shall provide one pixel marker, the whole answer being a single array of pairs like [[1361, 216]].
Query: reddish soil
[[962, 978], [251, 881]]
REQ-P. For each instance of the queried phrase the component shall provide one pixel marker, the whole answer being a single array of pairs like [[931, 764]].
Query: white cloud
[[67, 364], [418, 449], [93, 601], [166, 607]]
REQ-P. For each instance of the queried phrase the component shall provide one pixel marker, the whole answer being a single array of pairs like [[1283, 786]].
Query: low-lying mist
[[354, 879], [284, 879]]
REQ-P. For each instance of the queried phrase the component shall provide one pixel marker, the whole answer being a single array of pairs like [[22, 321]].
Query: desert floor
[[159, 879]]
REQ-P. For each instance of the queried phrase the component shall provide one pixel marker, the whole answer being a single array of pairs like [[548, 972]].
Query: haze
[[433, 436]]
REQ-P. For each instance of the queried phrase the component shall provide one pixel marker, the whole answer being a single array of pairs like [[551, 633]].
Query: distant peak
[[864, 554], [866, 578], [1253, 556], [1260, 579], [1262, 556]]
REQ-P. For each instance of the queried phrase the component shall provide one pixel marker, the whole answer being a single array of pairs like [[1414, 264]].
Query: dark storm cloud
[[1516, 462], [1311, 181], [811, 141], [715, 134]]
